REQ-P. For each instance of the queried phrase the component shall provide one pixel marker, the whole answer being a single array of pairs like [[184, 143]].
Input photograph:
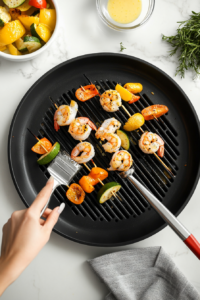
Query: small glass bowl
[[147, 10]]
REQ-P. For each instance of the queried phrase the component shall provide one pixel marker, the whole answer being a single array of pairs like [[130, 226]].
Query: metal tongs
[[62, 169], [169, 218]]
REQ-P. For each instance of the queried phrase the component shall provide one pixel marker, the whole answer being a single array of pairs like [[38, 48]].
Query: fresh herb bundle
[[187, 41]]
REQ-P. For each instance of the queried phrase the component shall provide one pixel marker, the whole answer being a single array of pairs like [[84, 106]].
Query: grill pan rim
[[80, 58]]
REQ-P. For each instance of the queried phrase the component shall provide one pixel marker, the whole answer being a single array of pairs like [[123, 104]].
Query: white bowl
[[42, 49]]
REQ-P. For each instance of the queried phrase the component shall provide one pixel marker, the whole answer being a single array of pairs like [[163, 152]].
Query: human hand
[[24, 235]]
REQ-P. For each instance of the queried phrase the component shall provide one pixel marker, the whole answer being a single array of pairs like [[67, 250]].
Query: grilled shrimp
[[83, 152], [121, 161], [65, 114], [108, 126], [80, 128], [111, 100], [150, 143], [113, 144]]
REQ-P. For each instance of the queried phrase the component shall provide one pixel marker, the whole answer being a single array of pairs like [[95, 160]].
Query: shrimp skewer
[[113, 144], [81, 128], [150, 143], [83, 152], [109, 125], [65, 114], [121, 161], [106, 132], [111, 100]]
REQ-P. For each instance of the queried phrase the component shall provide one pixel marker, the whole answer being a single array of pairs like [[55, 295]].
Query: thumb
[[52, 218]]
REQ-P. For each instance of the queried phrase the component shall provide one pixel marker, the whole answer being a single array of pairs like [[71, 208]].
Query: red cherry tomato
[[153, 111], [38, 3]]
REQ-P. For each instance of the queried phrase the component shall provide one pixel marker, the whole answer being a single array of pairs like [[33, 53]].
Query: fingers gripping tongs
[[62, 169], [169, 218]]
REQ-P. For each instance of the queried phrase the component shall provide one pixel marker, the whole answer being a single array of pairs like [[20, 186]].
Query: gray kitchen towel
[[143, 274]]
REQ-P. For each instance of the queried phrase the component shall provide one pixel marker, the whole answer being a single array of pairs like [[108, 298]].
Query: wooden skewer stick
[[56, 105], [95, 167], [82, 88], [37, 139], [87, 167], [158, 120], [155, 118], [124, 108]]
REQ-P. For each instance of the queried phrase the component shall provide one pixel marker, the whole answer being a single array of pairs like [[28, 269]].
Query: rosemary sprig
[[187, 43], [121, 47]]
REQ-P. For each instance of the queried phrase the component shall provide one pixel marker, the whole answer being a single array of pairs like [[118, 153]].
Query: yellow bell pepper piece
[[134, 122], [25, 6], [11, 32], [134, 88], [27, 21], [43, 32], [3, 48], [48, 18], [125, 94], [13, 50]]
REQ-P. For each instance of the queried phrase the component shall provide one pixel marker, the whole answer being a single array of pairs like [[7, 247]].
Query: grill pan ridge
[[115, 222]]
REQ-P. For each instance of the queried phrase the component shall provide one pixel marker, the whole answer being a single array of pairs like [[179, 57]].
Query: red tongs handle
[[193, 245], [173, 222]]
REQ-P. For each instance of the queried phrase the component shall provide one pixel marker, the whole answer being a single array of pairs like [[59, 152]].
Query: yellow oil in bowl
[[124, 11]]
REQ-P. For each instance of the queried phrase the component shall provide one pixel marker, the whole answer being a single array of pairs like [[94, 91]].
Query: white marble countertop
[[60, 271]]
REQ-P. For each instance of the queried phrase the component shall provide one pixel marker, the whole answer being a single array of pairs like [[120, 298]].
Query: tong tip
[[127, 173]]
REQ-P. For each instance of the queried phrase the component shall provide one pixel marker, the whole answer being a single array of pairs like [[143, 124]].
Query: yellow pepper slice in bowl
[[27, 21], [3, 48], [41, 31], [48, 18], [13, 50], [11, 32]]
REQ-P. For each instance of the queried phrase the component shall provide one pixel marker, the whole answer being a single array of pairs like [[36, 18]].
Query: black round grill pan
[[115, 222]]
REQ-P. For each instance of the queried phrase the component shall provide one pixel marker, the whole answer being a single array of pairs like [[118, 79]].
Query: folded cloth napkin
[[143, 274]]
